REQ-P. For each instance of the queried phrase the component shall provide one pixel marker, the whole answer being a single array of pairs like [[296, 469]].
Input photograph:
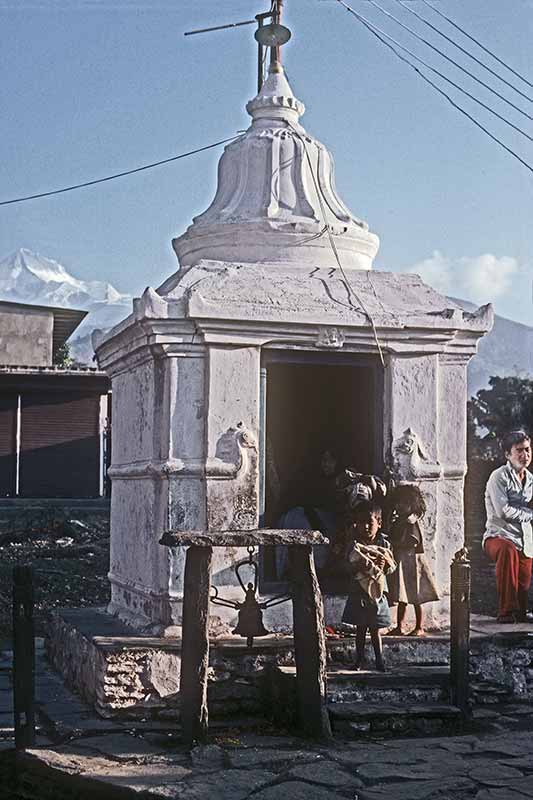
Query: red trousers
[[513, 575]]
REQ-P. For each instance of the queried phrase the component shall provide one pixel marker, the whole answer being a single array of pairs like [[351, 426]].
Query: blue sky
[[92, 87]]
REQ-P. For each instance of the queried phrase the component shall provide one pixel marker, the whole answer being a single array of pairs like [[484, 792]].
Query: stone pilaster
[[232, 464], [425, 409], [157, 482], [452, 392]]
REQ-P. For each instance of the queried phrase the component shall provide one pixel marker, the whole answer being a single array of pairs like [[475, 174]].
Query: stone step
[[403, 685], [393, 701], [485, 692], [355, 720], [398, 651]]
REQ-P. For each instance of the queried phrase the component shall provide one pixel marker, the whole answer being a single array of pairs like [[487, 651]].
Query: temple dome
[[276, 196]]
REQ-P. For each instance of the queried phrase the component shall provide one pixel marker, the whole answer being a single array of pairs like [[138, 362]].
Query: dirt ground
[[69, 553]]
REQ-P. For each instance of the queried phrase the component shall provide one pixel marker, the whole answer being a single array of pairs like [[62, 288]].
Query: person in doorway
[[318, 509], [368, 559], [508, 538], [412, 582]]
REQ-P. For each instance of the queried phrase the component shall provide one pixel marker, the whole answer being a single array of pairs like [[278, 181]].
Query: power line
[[463, 49], [374, 31], [379, 30], [476, 41], [451, 60], [118, 174]]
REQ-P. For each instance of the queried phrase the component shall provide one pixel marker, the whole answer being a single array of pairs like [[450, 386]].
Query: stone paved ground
[[79, 755]]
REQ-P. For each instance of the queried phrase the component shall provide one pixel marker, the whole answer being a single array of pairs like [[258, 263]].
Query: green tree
[[507, 405], [62, 356]]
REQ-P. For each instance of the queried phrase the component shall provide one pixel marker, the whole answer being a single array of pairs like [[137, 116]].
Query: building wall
[[52, 428], [26, 336]]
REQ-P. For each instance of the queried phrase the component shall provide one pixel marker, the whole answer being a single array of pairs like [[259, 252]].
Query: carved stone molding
[[232, 455], [157, 469], [330, 338], [410, 459]]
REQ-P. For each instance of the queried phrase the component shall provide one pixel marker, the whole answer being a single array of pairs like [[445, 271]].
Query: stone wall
[[138, 677], [134, 677], [483, 594]]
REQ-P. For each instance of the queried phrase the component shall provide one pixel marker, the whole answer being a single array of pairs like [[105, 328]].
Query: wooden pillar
[[195, 644], [460, 631], [23, 657], [309, 644]]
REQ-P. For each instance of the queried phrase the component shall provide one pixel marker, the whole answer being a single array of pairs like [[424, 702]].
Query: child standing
[[413, 581], [368, 558]]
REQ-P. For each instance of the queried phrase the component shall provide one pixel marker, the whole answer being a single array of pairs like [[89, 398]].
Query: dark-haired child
[[368, 559], [413, 582]]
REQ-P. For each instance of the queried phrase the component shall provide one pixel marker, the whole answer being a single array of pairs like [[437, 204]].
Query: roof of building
[[26, 378], [66, 320], [28, 369]]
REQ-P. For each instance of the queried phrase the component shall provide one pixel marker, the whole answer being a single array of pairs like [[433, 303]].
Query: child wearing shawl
[[368, 558]]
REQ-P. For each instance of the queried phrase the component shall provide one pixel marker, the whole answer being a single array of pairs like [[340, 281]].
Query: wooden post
[[309, 644], [23, 657], [460, 631], [195, 644]]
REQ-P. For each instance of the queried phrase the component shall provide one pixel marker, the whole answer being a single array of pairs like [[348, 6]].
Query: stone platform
[[128, 676], [77, 754]]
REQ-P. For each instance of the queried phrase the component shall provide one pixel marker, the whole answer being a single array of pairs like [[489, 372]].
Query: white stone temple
[[275, 329]]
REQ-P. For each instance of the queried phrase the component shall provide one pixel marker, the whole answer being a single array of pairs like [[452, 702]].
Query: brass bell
[[250, 617], [250, 621]]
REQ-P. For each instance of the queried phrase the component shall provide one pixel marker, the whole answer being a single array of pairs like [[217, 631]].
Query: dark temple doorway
[[316, 403]]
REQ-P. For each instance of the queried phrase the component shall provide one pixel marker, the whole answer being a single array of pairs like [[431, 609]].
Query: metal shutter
[[60, 447], [8, 444]]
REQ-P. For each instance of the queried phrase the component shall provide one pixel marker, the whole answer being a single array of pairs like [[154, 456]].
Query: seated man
[[508, 539]]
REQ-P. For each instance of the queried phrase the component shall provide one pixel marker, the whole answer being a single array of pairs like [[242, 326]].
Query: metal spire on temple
[[271, 35], [276, 199]]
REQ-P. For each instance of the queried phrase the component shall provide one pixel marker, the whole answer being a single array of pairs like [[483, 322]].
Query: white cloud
[[487, 276], [482, 278]]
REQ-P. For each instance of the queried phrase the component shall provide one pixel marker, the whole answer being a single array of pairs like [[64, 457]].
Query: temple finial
[[273, 35]]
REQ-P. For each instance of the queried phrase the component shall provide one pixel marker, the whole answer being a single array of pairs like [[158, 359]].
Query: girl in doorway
[[368, 559], [413, 582]]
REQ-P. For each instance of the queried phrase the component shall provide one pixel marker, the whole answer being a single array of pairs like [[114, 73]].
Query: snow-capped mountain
[[26, 277]]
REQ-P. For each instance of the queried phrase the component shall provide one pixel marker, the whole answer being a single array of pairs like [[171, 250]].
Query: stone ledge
[[251, 538]]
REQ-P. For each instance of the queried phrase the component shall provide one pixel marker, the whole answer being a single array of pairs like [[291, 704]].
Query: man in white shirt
[[508, 538]]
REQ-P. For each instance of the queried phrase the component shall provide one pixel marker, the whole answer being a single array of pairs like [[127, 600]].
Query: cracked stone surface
[[256, 756], [326, 775], [145, 759], [296, 790]]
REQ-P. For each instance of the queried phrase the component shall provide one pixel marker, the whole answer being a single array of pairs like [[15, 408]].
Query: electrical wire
[[349, 287], [462, 49], [379, 30], [118, 174], [374, 31], [451, 60], [476, 41], [445, 78], [468, 94]]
